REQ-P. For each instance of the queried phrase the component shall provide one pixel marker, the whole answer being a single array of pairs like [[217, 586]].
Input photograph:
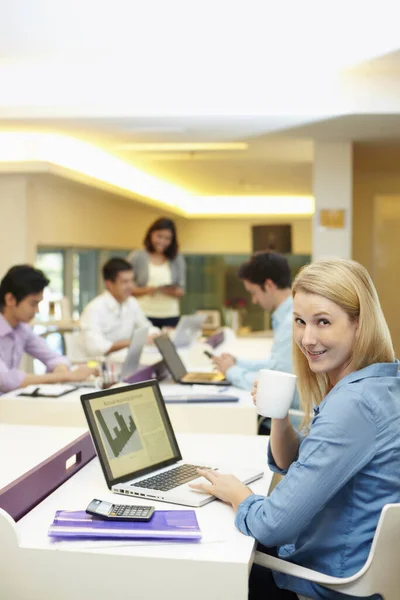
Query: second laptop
[[178, 370]]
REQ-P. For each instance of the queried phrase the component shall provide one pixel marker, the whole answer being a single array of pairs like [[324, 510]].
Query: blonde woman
[[345, 466]]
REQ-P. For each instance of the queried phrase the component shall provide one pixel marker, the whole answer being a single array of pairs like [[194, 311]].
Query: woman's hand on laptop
[[224, 362], [225, 487]]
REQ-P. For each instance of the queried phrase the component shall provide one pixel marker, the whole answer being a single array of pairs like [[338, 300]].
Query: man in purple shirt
[[21, 290]]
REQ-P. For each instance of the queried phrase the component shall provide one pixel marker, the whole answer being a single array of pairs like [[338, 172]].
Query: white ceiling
[[269, 166], [168, 72], [275, 163]]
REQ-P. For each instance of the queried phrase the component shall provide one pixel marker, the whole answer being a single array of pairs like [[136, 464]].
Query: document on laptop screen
[[131, 431]]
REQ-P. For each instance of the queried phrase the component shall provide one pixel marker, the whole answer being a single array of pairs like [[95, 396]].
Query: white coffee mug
[[275, 391]]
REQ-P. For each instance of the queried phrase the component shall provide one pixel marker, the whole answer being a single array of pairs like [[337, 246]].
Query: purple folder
[[164, 524]]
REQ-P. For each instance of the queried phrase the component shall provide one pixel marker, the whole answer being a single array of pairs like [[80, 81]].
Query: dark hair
[[21, 281], [266, 265], [163, 223], [114, 266]]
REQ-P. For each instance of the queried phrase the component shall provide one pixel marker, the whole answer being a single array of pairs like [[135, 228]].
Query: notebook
[[187, 329], [48, 390], [131, 362], [137, 448], [178, 370], [164, 524]]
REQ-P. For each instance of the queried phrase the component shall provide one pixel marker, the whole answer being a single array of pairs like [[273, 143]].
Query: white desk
[[239, 417], [216, 568], [66, 411]]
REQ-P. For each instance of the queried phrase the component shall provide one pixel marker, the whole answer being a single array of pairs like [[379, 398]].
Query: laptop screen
[[135, 350], [170, 356], [188, 328], [131, 430]]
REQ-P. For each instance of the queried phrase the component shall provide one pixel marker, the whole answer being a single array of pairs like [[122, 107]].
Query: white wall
[[234, 236], [333, 189], [45, 210], [13, 222]]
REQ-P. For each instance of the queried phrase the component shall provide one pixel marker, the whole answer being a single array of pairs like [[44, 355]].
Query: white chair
[[379, 575]]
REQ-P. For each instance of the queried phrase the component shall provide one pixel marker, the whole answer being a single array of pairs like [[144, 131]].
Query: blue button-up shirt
[[244, 372], [324, 513]]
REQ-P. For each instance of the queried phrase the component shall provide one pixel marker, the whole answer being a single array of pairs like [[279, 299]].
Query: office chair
[[379, 575], [264, 423]]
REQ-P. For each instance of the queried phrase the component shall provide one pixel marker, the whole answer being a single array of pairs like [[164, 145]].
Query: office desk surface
[[240, 417], [66, 411], [89, 483], [22, 447], [216, 567], [224, 555]]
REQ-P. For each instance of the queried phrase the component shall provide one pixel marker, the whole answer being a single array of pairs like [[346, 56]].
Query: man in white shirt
[[109, 321]]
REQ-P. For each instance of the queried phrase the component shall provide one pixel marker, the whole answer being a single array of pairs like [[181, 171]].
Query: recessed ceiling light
[[22, 150], [182, 147], [153, 129]]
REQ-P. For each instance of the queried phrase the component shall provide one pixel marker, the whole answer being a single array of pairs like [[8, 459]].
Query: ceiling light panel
[[74, 156], [183, 147]]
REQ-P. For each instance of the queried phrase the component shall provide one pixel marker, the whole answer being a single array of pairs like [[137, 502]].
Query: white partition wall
[[333, 191]]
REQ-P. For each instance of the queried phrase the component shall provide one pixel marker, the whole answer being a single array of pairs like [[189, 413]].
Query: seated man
[[108, 322], [21, 290], [266, 276]]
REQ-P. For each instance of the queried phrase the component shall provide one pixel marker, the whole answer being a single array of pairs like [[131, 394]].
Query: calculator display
[[104, 508]]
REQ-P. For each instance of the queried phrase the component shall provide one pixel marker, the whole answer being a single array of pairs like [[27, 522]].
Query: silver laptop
[[137, 448], [187, 329], [131, 362]]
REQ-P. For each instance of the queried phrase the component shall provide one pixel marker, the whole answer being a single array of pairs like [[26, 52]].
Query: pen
[[112, 373], [105, 372]]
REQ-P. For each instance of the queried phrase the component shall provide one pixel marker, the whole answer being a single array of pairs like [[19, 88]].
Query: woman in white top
[[159, 274]]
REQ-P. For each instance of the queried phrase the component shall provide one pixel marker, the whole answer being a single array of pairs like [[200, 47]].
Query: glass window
[[84, 279]]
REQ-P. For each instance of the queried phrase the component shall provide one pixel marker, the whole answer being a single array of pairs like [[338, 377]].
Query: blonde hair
[[347, 284]]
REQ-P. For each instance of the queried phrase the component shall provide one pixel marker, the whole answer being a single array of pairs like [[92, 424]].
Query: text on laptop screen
[[131, 430]]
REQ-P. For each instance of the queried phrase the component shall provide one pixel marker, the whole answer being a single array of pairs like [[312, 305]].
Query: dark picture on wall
[[277, 238]]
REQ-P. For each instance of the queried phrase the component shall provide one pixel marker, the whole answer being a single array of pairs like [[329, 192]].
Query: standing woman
[[159, 274], [344, 466]]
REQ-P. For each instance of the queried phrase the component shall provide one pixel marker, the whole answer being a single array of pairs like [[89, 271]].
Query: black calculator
[[120, 512]]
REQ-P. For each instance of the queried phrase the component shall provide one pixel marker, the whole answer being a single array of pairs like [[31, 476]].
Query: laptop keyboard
[[170, 479], [203, 377]]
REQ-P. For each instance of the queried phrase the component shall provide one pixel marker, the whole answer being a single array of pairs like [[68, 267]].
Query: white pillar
[[13, 222], [333, 190]]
